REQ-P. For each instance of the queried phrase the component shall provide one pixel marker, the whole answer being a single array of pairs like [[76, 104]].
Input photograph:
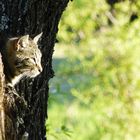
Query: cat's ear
[[23, 41], [36, 38]]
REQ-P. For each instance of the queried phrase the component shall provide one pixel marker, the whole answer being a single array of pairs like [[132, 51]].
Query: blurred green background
[[95, 94]]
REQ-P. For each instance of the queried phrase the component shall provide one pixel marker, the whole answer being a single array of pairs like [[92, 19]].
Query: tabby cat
[[21, 57]]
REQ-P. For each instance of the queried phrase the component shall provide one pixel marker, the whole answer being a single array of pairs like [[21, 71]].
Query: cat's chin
[[33, 74]]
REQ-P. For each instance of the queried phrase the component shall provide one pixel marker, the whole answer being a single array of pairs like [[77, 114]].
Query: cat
[[21, 58]]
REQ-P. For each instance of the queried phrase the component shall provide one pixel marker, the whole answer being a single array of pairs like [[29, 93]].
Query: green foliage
[[82, 19], [95, 93]]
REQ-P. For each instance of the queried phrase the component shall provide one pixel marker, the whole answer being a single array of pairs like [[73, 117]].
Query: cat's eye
[[27, 58], [33, 60]]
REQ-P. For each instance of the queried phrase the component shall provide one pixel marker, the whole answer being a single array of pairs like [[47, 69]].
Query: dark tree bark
[[19, 17]]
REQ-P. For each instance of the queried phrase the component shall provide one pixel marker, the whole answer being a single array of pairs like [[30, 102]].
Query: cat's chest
[[16, 79]]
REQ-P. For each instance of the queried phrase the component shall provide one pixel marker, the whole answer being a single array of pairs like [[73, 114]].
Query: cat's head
[[25, 56]]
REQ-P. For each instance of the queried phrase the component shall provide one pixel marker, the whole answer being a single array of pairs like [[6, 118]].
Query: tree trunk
[[29, 109], [2, 129]]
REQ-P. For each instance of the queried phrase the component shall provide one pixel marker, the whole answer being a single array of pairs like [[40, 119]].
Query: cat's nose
[[39, 68]]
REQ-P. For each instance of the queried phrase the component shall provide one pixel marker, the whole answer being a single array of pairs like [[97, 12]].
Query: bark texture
[[28, 111]]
